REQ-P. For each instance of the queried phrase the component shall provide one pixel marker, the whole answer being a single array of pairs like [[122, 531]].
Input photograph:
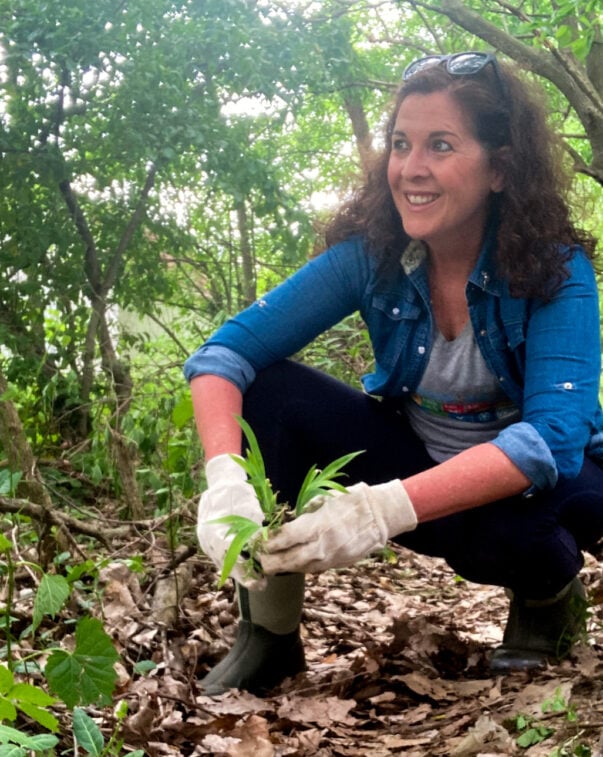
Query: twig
[[56, 518]]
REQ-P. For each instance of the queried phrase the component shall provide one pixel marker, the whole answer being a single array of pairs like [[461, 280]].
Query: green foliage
[[572, 750], [14, 743], [530, 732], [247, 534], [253, 465], [86, 675], [87, 733], [533, 730], [322, 482], [8, 483], [26, 698], [51, 596], [89, 736]]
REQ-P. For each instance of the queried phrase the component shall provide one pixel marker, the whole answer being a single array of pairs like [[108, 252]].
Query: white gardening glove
[[228, 493], [344, 529]]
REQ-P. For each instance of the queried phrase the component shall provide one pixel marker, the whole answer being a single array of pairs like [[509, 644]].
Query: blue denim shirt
[[546, 355]]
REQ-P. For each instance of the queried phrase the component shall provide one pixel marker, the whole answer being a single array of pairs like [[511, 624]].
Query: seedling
[[248, 535]]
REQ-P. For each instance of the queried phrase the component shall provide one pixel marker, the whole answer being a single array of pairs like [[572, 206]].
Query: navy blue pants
[[533, 546]]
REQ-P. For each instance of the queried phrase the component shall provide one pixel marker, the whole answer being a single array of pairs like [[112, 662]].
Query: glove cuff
[[393, 509], [224, 468]]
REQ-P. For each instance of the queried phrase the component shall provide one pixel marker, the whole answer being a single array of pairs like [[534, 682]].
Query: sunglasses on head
[[458, 64]]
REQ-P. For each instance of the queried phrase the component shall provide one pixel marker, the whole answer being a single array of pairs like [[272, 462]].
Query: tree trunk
[[247, 258], [21, 460]]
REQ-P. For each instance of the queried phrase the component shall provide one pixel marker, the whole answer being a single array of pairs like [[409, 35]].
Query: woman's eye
[[399, 144], [440, 145]]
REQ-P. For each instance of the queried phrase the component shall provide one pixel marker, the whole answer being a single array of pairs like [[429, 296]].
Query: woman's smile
[[415, 199]]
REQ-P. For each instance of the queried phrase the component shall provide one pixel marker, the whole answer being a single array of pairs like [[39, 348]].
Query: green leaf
[[8, 711], [564, 35], [534, 736], [42, 741], [5, 544], [8, 734], [144, 666], [40, 715], [10, 750], [50, 597], [7, 679], [86, 675], [31, 694], [253, 464], [319, 481], [245, 529], [37, 743], [87, 732], [9, 481], [30, 699], [182, 413], [236, 523]]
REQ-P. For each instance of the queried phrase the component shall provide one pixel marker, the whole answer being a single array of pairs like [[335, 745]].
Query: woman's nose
[[414, 164]]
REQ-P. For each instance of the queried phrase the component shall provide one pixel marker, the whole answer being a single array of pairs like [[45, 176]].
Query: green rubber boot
[[268, 647], [541, 630]]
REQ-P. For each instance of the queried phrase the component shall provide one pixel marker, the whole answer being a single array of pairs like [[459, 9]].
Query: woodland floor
[[397, 664]]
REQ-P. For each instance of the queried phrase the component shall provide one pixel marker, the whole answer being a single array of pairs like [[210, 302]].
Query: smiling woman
[[460, 255], [441, 177]]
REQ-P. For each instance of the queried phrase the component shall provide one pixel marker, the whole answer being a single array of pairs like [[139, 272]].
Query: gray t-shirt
[[458, 403]]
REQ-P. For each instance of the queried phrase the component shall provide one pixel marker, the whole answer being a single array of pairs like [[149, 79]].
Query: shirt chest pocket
[[394, 308], [392, 323], [508, 337]]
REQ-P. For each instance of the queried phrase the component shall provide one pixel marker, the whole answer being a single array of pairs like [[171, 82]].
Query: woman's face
[[439, 174]]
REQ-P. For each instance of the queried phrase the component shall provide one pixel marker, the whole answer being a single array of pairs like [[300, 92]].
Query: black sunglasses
[[459, 64]]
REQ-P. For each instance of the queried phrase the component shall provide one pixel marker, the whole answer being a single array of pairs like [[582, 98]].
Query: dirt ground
[[397, 653]]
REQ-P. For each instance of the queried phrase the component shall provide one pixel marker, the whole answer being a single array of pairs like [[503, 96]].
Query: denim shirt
[[546, 355]]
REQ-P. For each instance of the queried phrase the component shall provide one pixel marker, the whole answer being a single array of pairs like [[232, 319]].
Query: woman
[[481, 426]]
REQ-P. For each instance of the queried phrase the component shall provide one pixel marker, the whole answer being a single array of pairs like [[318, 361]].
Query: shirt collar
[[483, 275], [413, 255]]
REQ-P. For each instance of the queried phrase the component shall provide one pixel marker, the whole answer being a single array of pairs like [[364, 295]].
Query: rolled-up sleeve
[[561, 383], [532, 455], [220, 361]]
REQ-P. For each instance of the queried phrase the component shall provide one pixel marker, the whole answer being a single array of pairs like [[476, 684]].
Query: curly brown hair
[[509, 119]]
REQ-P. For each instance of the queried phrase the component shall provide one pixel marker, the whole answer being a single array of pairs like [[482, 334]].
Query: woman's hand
[[344, 528], [228, 493]]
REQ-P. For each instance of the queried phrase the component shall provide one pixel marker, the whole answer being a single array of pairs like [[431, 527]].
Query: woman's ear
[[498, 182]]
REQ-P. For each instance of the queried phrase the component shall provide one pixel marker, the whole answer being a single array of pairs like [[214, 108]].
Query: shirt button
[[501, 379], [396, 311], [421, 350], [262, 303], [404, 388], [568, 385], [483, 332]]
